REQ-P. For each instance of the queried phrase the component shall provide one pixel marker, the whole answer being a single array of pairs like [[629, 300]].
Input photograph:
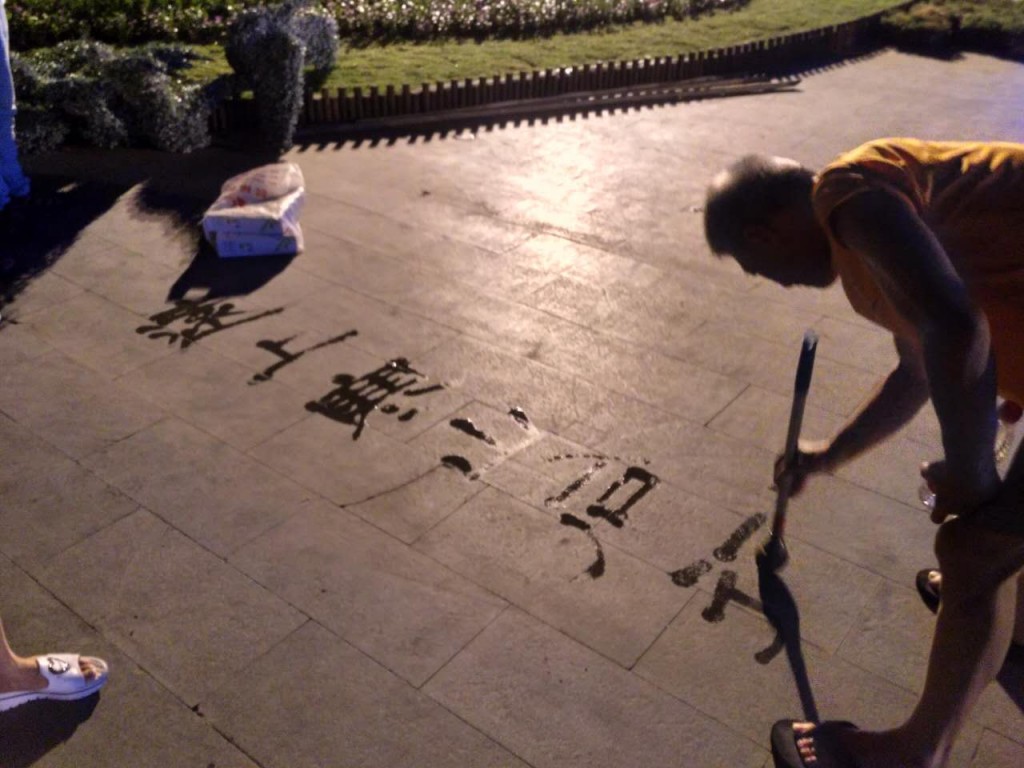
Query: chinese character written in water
[[602, 509], [726, 590], [201, 318], [356, 398], [287, 358]]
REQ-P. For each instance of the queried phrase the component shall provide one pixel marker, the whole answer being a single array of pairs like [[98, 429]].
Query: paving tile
[[134, 720], [384, 330], [996, 751], [359, 266], [411, 510], [252, 284], [551, 399], [925, 429], [715, 467], [712, 666], [18, 344], [547, 569], [73, 408], [853, 344], [869, 530], [999, 708], [762, 317], [212, 393], [190, 619], [835, 387], [327, 457], [893, 637], [831, 302], [555, 703], [691, 542], [483, 436], [393, 603], [49, 502], [614, 414], [291, 350], [96, 333], [761, 418], [693, 391], [655, 320], [44, 291], [548, 253], [892, 469], [214, 494], [358, 704], [525, 484], [128, 279], [133, 220]]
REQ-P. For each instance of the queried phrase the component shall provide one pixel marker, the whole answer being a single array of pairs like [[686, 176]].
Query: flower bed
[[36, 23]]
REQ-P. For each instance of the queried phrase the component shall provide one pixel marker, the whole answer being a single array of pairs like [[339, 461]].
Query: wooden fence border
[[764, 57]]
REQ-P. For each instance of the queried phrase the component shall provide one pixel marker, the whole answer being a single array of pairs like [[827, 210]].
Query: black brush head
[[772, 556]]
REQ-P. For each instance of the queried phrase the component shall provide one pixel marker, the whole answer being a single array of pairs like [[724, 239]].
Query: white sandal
[[64, 678]]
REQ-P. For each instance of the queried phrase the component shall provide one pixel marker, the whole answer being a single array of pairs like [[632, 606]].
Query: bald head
[[750, 193]]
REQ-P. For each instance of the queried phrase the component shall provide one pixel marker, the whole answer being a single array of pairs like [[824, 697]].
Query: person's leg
[[935, 578], [980, 561], [11, 175], [18, 673]]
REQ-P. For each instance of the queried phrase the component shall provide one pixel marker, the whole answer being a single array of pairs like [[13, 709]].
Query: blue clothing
[[12, 180]]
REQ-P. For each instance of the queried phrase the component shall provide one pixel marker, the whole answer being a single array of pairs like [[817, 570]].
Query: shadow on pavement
[[781, 610], [219, 278], [33, 729], [426, 128], [73, 188], [38, 232]]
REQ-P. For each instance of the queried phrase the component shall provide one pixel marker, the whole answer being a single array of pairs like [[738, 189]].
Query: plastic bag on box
[[257, 213]]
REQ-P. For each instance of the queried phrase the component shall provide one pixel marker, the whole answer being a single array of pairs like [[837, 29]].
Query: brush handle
[[804, 370]]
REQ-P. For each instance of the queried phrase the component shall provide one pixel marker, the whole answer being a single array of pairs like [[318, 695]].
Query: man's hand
[[812, 457], [957, 495]]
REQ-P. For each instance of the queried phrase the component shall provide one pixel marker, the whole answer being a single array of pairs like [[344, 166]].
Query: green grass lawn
[[400, 63]]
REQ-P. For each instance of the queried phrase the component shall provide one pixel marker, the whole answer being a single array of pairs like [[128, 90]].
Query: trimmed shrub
[[270, 48], [90, 92], [992, 26]]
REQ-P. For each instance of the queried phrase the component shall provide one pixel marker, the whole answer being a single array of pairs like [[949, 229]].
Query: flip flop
[[64, 678], [828, 750], [931, 598], [925, 588]]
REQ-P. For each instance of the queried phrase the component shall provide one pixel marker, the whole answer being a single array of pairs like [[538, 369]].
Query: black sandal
[[828, 751]]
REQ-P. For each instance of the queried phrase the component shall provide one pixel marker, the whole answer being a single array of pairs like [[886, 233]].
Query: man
[[928, 241], [12, 181]]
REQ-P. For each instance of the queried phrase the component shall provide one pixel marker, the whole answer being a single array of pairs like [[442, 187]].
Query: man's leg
[[10, 169], [980, 561], [935, 579]]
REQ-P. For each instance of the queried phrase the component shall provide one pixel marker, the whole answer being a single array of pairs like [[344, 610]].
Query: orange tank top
[[971, 195]]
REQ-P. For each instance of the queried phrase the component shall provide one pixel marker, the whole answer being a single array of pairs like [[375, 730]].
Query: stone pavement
[[254, 487]]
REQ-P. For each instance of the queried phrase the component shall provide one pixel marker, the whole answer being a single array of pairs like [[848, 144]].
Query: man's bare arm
[[915, 273], [891, 406]]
